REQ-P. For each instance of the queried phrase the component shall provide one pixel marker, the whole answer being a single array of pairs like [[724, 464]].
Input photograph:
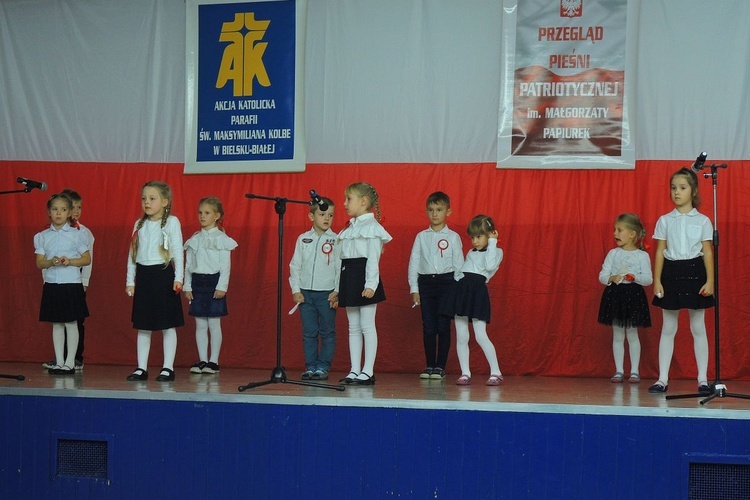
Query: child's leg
[[444, 341], [462, 344], [71, 343], [355, 339], [214, 324], [480, 332], [700, 342], [58, 342], [144, 347], [170, 347], [634, 347], [370, 335], [81, 334], [666, 343], [429, 304], [327, 323], [618, 348], [309, 315], [201, 338]]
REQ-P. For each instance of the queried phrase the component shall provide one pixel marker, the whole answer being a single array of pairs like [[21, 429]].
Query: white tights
[[144, 347], [618, 348], [362, 330], [700, 342], [462, 344], [58, 341], [202, 326]]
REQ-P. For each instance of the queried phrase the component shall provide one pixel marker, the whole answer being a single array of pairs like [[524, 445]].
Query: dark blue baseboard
[[188, 449]]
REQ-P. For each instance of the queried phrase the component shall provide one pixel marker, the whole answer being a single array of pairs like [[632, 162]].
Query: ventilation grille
[[82, 458], [719, 481]]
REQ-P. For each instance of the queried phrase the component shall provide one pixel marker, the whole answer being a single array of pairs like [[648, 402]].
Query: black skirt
[[469, 297], [156, 306], [682, 281], [625, 306], [352, 284], [204, 305], [63, 303]]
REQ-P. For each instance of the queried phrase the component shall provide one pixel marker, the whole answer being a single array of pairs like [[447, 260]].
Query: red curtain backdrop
[[555, 229]]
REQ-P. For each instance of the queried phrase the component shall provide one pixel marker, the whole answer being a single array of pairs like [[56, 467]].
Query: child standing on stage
[[683, 275], [60, 252], [207, 267], [312, 274], [154, 279], [436, 256], [359, 287], [624, 306], [75, 221], [470, 299]]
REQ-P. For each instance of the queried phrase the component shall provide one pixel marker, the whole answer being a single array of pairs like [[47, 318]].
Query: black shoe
[[138, 374], [437, 374], [198, 367], [349, 379], [166, 375], [63, 370], [370, 380], [658, 387], [704, 388], [209, 368]]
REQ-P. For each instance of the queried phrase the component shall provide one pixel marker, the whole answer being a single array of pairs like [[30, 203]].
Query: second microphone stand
[[26, 190], [278, 375], [718, 388]]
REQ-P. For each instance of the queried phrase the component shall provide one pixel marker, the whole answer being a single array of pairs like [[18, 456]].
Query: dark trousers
[[436, 328]]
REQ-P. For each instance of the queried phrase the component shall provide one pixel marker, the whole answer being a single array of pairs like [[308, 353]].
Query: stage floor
[[516, 394]]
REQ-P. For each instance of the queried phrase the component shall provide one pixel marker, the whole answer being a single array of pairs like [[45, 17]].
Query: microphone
[[42, 186], [317, 201], [697, 165]]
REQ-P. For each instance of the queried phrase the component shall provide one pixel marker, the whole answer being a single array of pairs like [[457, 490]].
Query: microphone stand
[[278, 375], [718, 388], [26, 190]]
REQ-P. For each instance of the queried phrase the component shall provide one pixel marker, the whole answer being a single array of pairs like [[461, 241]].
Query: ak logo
[[242, 61]]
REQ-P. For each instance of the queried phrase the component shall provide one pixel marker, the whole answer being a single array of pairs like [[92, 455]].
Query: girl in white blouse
[[358, 286], [624, 306], [207, 266], [154, 278], [683, 275]]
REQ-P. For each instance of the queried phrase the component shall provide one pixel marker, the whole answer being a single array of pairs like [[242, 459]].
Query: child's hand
[[298, 298], [189, 296], [333, 300], [415, 299], [64, 261], [177, 287], [368, 293], [219, 294], [707, 290], [129, 290], [658, 290]]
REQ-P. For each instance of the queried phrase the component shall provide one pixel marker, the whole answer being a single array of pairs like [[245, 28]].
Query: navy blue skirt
[[469, 298], [204, 305]]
